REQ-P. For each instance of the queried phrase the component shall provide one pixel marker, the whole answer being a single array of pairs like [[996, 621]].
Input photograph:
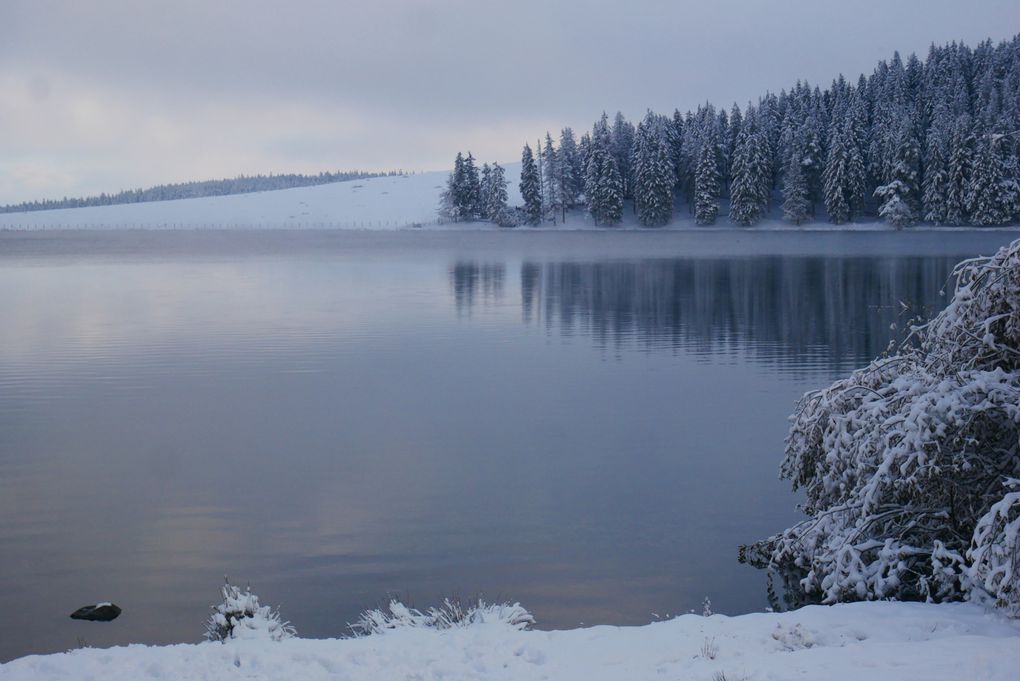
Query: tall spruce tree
[[898, 197], [989, 197], [706, 183], [571, 170], [531, 187], [653, 174], [961, 160], [796, 192], [552, 191], [496, 197], [752, 176], [472, 190]]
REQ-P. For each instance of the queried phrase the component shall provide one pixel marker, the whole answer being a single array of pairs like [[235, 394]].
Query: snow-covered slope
[[375, 203], [875, 641]]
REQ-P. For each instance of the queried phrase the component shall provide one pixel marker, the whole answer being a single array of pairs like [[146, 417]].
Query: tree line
[[934, 141], [242, 184]]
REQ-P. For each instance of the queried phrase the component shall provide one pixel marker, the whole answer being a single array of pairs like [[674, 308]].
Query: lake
[[589, 423]]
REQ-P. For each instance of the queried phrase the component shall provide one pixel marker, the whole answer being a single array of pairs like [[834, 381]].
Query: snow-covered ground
[[378, 203], [873, 641]]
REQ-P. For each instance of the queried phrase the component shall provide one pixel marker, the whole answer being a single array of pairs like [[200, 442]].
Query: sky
[[104, 95]]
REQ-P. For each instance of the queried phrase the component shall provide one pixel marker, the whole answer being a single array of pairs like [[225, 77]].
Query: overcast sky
[[103, 95]]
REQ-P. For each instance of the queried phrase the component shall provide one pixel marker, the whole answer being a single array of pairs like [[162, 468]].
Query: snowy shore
[[874, 641]]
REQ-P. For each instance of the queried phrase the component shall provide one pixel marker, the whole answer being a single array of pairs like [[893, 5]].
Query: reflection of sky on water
[[591, 436]]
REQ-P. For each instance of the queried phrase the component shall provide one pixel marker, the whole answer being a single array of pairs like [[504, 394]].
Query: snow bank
[[873, 641]]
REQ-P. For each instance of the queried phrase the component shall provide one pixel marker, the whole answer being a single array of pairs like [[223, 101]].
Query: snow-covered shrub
[[906, 463], [240, 616], [450, 615], [995, 552]]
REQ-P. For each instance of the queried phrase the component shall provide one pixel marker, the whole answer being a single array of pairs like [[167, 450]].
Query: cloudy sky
[[102, 95]]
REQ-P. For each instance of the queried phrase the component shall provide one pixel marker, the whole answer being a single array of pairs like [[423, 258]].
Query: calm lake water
[[588, 423]]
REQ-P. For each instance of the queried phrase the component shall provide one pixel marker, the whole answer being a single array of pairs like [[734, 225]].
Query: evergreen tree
[[486, 189], [552, 191], [571, 170], [898, 197], [609, 194], [844, 177], [451, 201], [706, 184], [796, 193], [496, 197], [621, 146], [653, 174], [752, 176], [531, 189], [960, 168], [472, 190], [935, 191], [989, 193]]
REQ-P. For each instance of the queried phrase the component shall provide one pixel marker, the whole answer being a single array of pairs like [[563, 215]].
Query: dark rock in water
[[101, 612]]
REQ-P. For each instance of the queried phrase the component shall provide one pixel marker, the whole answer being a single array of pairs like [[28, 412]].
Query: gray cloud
[[112, 93]]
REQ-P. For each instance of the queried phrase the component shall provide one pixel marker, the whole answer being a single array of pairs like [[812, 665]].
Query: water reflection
[[472, 280], [841, 311]]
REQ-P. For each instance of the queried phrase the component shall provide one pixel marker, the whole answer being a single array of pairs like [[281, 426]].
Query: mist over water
[[587, 423]]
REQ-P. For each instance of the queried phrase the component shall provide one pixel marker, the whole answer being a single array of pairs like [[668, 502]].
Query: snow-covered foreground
[[874, 641]]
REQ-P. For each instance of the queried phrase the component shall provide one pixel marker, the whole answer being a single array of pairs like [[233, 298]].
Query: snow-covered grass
[[874, 641]]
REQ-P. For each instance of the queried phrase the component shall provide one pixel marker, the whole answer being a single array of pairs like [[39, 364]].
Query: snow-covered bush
[[995, 552], [906, 464], [450, 615], [240, 616]]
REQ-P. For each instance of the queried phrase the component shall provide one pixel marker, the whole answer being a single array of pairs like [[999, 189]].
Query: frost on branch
[[450, 615], [240, 616], [906, 464]]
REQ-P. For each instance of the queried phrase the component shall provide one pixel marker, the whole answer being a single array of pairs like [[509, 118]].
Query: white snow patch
[[875, 641]]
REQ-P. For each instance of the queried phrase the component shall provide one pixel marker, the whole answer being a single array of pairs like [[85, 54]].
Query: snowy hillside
[[375, 203], [875, 641]]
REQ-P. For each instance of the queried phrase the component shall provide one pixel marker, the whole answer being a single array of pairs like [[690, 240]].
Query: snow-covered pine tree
[[990, 195], [472, 198], [653, 174], [844, 176], [935, 188], [603, 187], [706, 183], [496, 198], [531, 189], [676, 143], [552, 191], [485, 190], [796, 194], [898, 197], [961, 162], [621, 147], [609, 194], [571, 170], [452, 198], [730, 145], [752, 175]]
